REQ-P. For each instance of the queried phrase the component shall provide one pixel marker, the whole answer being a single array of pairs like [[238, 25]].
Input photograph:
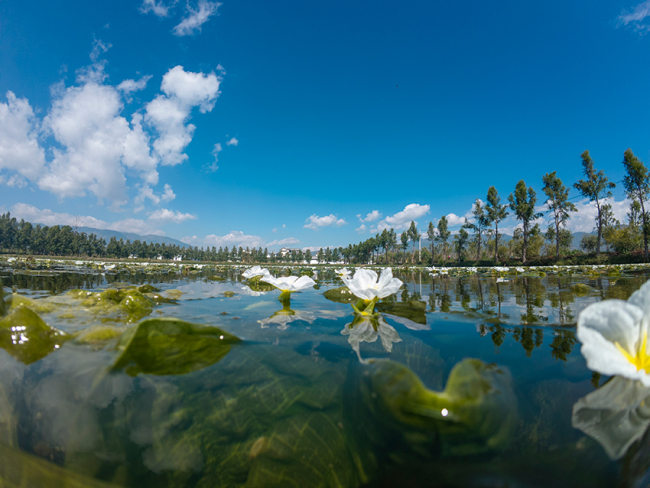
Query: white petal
[[303, 282], [365, 278], [603, 356], [615, 320], [392, 287], [641, 298]]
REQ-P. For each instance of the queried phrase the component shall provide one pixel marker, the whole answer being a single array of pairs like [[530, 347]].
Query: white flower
[[255, 271], [289, 283], [614, 336], [616, 415], [343, 272], [365, 285]]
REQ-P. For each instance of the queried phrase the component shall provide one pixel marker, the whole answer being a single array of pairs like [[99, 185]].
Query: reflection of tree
[[524, 335], [498, 335], [539, 337], [562, 344]]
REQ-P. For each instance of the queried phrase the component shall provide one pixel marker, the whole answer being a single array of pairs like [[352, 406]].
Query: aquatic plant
[[255, 271], [369, 288]]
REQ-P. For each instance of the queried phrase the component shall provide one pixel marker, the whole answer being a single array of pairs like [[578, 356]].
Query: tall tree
[[558, 204], [413, 235], [596, 187], [405, 242], [461, 242], [522, 203], [637, 188], [431, 234], [496, 213], [479, 226], [443, 233]]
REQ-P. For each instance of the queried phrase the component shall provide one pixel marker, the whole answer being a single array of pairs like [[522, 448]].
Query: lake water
[[114, 388]]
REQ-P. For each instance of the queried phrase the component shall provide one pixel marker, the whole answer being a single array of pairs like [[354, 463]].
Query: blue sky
[[111, 113]]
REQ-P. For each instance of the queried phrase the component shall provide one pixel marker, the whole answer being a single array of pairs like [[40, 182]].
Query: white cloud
[[19, 147], [232, 142], [316, 222], [169, 113], [169, 194], [402, 220], [314, 249], [196, 18], [13, 181], [211, 168], [158, 7], [283, 242], [284, 226], [453, 220], [145, 192], [636, 17], [129, 86], [234, 238], [165, 215], [584, 220], [361, 229], [371, 217], [49, 218]]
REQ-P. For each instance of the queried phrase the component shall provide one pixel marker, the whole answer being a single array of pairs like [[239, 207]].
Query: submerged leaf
[[25, 336], [413, 310], [168, 346], [3, 306], [20, 470], [475, 413]]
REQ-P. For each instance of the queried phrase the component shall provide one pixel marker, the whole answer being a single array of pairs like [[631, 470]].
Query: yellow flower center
[[642, 358]]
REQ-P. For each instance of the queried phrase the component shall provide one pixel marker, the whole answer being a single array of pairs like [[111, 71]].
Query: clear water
[[296, 403]]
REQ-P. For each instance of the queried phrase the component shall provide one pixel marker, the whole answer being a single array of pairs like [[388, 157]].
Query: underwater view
[[193, 376]]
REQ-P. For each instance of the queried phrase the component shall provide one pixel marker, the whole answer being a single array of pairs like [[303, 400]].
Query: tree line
[[478, 240], [528, 240]]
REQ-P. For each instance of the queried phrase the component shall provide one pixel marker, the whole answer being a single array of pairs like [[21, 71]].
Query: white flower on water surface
[[366, 286], [344, 272], [255, 271], [289, 284], [614, 336]]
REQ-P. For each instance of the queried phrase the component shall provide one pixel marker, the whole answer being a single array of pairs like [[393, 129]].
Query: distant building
[[285, 250]]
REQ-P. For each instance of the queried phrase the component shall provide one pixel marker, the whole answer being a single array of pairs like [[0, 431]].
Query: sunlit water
[[290, 404]]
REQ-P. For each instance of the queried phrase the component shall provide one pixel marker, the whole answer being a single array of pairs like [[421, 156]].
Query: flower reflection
[[282, 318], [614, 336], [616, 415], [366, 328]]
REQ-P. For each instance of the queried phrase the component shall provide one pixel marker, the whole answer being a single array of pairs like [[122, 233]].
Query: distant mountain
[[107, 234]]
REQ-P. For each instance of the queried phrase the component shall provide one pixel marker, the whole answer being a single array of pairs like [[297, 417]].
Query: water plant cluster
[[183, 375]]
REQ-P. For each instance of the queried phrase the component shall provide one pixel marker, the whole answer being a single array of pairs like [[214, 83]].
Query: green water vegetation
[[109, 383]]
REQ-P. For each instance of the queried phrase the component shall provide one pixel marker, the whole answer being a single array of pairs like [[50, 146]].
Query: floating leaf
[[168, 346], [25, 336], [340, 295]]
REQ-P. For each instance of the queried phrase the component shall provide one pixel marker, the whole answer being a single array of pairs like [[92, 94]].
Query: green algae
[[26, 337], [168, 346]]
